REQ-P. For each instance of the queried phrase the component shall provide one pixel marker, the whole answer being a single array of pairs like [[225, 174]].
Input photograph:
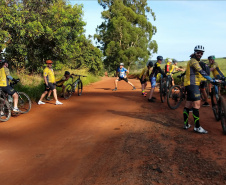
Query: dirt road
[[110, 138]]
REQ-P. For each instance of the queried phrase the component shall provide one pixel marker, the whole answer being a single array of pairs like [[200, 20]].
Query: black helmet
[[212, 57], [159, 58], [150, 64], [67, 73], [174, 61]]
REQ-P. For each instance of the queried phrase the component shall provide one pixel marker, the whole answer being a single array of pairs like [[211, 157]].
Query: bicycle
[[6, 103], [218, 103], [71, 88]]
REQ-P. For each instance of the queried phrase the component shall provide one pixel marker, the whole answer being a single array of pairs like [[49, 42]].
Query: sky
[[181, 25]]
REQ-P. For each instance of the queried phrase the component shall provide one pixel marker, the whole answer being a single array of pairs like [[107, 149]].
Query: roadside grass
[[33, 85]]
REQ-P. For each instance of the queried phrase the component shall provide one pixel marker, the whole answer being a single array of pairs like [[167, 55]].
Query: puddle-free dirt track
[[110, 138]]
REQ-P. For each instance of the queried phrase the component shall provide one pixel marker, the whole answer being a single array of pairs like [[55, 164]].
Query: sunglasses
[[199, 53]]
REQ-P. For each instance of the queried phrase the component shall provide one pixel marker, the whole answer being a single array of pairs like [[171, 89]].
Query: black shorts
[[203, 84], [143, 81], [125, 79], [193, 93], [8, 89], [51, 87]]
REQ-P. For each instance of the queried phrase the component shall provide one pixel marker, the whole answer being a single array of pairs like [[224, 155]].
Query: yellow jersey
[[3, 78], [193, 76], [49, 75], [217, 71], [61, 81], [173, 68], [145, 72]]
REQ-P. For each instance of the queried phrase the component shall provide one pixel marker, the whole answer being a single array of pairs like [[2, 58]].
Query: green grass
[[33, 85]]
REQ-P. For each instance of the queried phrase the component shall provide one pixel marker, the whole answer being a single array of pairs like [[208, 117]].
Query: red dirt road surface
[[110, 138]]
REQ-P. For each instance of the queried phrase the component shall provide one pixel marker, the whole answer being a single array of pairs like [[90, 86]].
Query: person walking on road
[[121, 75], [50, 83]]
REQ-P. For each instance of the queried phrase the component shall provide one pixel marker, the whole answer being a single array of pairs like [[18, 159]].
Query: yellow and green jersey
[[217, 71], [173, 68], [49, 75], [145, 72], [3, 78]]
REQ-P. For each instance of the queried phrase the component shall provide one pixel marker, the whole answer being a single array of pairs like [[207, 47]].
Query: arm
[[45, 79], [198, 68]]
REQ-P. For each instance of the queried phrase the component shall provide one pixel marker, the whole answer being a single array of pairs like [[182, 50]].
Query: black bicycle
[[71, 88], [6, 103], [218, 103]]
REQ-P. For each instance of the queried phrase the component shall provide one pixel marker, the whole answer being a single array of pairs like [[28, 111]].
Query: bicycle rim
[[5, 110], [24, 102], [80, 86], [215, 106], [174, 97], [68, 91], [223, 114]]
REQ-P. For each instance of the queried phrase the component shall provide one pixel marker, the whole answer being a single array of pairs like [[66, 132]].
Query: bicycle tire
[[67, 91], [80, 87], [215, 105], [24, 102], [223, 114], [163, 91], [5, 110], [175, 96]]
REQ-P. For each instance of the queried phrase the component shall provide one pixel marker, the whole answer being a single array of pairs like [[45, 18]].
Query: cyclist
[[60, 83], [121, 73], [50, 83], [144, 77], [191, 83], [167, 66], [5, 77], [214, 67], [156, 69], [174, 68]]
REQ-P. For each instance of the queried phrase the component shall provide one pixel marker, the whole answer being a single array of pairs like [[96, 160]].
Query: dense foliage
[[126, 34], [33, 31]]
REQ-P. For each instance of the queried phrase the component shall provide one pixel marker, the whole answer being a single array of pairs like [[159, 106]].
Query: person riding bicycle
[[174, 68], [60, 83], [121, 73], [191, 83], [5, 77], [156, 69], [168, 65], [144, 76], [214, 67], [50, 83]]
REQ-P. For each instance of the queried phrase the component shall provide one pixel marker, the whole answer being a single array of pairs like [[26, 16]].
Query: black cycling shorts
[[125, 79], [8, 89], [203, 84], [51, 87], [193, 93], [143, 81]]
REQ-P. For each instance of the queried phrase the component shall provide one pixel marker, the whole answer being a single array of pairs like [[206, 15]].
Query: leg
[[187, 107], [43, 95], [153, 84], [15, 100], [173, 81], [55, 94]]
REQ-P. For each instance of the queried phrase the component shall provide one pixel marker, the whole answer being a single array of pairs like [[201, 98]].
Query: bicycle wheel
[[215, 105], [24, 102], [174, 97], [163, 91], [5, 110], [80, 86], [68, 91], [223, 114]]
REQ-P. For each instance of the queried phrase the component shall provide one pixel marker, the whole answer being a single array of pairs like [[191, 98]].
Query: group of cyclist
[[195, 76]]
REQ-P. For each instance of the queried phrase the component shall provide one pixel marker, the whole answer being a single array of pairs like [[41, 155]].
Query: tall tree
[[126, 34]]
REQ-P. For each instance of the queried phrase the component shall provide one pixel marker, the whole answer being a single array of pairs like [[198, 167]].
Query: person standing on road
[[174, 68], [144, 76], [156, 69], [50, 83], [121, 75], [191, 83]]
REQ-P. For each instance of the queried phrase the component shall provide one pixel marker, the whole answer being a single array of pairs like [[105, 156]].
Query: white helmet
[[170, 60], [199, 48], [121, 64]]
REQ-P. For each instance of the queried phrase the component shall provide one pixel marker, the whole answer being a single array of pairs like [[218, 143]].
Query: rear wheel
[[5, 110], [174, 97], [215, 104], [80, 86], [223, 114], [24, 102], [68, 91]]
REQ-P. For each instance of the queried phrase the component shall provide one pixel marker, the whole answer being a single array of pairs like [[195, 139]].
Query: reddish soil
[[110, 138]]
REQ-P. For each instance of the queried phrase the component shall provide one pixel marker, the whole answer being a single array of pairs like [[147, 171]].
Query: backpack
[[205, 67]]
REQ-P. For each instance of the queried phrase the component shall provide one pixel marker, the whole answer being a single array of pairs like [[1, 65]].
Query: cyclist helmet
[[121, 64], [49, 61], [174, 61], [159, 58], [212, 57], [67, 73], [199, 48], [150, 64], [170, 60]]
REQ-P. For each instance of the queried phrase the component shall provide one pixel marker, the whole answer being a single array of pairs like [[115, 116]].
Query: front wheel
[[5, 110], [223, 114], [68, 91], [80, 86], [174, 97], [24, 102]]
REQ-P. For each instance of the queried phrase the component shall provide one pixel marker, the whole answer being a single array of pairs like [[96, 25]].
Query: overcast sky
[[181, 25]]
